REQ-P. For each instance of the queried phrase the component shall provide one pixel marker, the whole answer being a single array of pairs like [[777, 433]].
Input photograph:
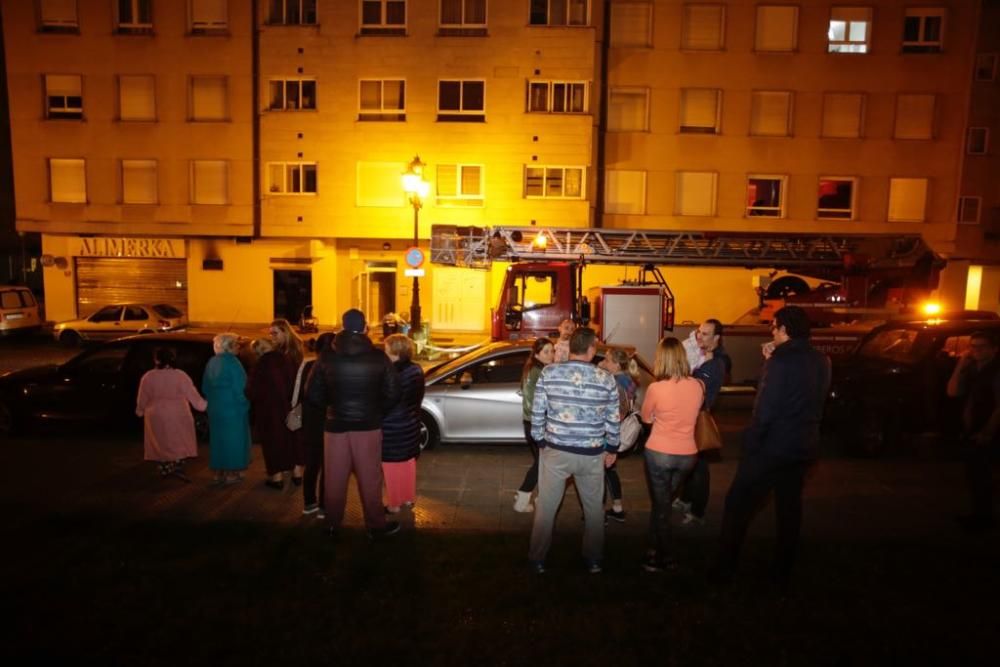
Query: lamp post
[[416, 188]]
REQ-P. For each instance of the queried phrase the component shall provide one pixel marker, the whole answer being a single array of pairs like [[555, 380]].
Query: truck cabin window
[[538, 291]]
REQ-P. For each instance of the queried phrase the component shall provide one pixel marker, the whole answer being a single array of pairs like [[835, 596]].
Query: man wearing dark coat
[[779, 445]]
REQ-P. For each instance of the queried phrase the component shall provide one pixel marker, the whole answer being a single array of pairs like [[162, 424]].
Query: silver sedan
[[121, 319]]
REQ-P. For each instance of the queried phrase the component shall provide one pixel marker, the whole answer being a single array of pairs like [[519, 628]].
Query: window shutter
[[59, 12], [842, 115], [68, 181], [630, 25], [209, 14], [696, 193], [139, 182], [379, 184], [769, 113], [68, 85], [703, 27], [447, 177], [392, 92], [914, 117], [907, 199], [471, 185], [626, 192], [211, 182], [627, 110], [777, 28], [699, 108], [208, 98]]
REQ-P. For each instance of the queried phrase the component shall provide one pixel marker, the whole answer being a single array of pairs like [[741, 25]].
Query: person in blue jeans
[[626, 373]]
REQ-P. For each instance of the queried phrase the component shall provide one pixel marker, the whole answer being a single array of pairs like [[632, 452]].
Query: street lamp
[[416, 188]]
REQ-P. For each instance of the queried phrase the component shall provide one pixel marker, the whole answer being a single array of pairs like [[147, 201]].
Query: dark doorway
[[292, 293]]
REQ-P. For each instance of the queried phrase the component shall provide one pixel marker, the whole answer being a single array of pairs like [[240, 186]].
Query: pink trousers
[[359, 452], [400, 482]]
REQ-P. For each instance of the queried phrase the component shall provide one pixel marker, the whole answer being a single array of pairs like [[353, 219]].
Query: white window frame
[[923, 211], [383, 113], [459, 198], [472, 114], [67, 162], [545, 178], [284, 188], [963, 204], [65, 110], [986, 67], [59, 24], [208, 27], [644, 92], [837, 213], [922, 44], [679, 199], [969, 143], [610, 206], [763, 211], [464, 25], [686, 23], [302, 5], [550, 96], [285, 83], [566, 4], [135, 25], [849, 45], [698, 129], [756, 95], [795, 30], [136, 163], [383, 27], [194, 183], [224, 118]]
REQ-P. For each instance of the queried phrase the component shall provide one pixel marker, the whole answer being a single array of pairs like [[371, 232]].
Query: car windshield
[[897, 345], [166, 310]]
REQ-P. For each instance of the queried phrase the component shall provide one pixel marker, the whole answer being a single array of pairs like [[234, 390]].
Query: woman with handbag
[[671, 405], [626, 373], [542, 354], [270, 389]]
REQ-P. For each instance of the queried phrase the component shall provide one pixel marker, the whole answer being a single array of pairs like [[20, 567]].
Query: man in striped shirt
[[575, 420]]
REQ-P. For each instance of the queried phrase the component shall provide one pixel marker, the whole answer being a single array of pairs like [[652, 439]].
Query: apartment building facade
[[244, 158]]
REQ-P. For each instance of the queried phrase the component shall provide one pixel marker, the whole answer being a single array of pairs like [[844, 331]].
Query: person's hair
[[323, 342], [581, 340], [625, 361], [165, 357], [399, 345], [531, 361], [262, 346], [717, 327], [795, 321], [671, 360], [293, 344], [987, 336], [226, 342]]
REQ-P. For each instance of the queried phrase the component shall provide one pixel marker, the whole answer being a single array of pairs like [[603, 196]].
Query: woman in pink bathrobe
[[164, 395]]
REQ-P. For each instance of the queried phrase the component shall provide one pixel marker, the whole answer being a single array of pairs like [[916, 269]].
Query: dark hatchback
[[97, 386], [890, 394]]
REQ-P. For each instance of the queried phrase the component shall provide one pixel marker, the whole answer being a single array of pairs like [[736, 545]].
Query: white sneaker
[[522, 502], [681, 506], [692, 520]]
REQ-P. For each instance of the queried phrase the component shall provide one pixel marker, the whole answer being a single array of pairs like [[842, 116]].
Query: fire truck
[[862, 279]]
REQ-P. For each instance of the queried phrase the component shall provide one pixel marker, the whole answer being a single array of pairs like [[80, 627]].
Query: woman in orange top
[[671, 405]]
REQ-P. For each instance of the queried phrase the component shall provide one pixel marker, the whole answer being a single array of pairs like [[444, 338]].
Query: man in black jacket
[[358, 384], [779, 445]]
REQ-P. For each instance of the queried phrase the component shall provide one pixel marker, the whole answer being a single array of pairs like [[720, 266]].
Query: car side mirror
[[466, 380]]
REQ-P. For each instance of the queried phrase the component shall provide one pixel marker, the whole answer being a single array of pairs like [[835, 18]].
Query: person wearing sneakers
[[313, 418], [542, 353], [626, 373], [574, 419], [358, 385]]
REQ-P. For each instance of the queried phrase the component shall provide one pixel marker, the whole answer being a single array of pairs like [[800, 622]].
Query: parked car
[[893, 387], [97, 386], [477, 397], [18, 311], [121, 319]]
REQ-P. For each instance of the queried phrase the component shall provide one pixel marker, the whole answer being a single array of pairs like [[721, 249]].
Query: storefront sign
[[106, 246]]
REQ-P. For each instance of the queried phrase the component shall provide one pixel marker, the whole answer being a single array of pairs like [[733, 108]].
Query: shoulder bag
[[630, 429], [293, 420]]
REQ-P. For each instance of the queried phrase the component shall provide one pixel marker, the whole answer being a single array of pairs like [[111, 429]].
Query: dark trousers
[[979, 477], [755, 478], [695, 489], [530, 477], [613, 482], [313, 474]]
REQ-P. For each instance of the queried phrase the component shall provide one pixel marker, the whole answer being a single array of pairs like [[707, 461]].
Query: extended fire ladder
[[820, 255]]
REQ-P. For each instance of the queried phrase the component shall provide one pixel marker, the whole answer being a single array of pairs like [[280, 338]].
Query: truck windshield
[[898, 345], [538, 290]]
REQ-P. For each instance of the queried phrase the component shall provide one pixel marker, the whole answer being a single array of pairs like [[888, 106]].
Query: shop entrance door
[[292, 293], [374, 291]]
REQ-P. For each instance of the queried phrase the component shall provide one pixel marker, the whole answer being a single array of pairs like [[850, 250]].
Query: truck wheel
[[430, 435], [70, 338], [786, 286]]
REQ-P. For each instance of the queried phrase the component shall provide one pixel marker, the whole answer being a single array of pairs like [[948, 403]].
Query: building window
[[766, 196], [382, 99], [696, 193], [134, 16], [700, 108], [850, 30], [459, 185], [58, 16], [843, 115], [631, 24], [209, 98], [209, 182], [462, 101], [292, 12], [378, 184], [557, 96], [64, 96], [968, 210], [770, 114], [914, 117], [136, 97], [209, 16], [139, 182], [553, 182], [625, 192], [67, 181], [986, 67], [923, 30], [559, 12], [703, 28], [907, 199], [463, 17], [777, 28], [291, 178], [835, 200], [978, 141], [291, 94], [628, 110], [383, 17]]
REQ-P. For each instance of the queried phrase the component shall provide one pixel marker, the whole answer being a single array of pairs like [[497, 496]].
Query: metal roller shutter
[[103, 280]]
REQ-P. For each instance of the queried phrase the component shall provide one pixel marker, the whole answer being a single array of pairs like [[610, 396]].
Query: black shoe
[[275, 485], [618, 516], [391, 528]]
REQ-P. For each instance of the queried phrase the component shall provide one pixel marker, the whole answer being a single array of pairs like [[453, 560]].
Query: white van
[[18, 311]]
